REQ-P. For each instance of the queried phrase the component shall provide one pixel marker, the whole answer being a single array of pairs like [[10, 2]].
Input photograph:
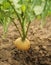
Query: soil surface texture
[[38, 54]]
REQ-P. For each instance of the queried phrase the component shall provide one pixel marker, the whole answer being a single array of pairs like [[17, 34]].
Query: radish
[[25, 11]]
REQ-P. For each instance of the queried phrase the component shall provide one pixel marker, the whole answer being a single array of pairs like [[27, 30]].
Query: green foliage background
[[24, 10]]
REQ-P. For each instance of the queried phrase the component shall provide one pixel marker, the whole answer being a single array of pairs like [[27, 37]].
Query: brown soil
[[38, 54]]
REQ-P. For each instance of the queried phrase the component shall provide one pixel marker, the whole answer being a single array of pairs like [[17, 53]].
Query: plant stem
[[16, 26], [23, 31], [45, 5], [44, 13], [21, 23], [23, 28], [27, 28], [19, 18]]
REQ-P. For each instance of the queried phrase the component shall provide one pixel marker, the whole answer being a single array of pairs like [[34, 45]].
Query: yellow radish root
[[22, 45]]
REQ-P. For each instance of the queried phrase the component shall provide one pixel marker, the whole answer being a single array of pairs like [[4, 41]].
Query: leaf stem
[[23, 28], [23, 31], [28, 28], [16, 27], [19, 18]]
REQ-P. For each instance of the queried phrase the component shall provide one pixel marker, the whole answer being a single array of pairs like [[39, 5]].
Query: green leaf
[[38, 9], [6, 23], [45, 13]]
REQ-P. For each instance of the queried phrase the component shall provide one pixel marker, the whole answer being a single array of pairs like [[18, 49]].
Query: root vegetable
[[22, 45]]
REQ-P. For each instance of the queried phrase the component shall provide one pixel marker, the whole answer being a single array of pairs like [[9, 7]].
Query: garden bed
[[38, 54]]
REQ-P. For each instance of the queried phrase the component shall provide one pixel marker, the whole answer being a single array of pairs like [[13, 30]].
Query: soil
[[38, 54]]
